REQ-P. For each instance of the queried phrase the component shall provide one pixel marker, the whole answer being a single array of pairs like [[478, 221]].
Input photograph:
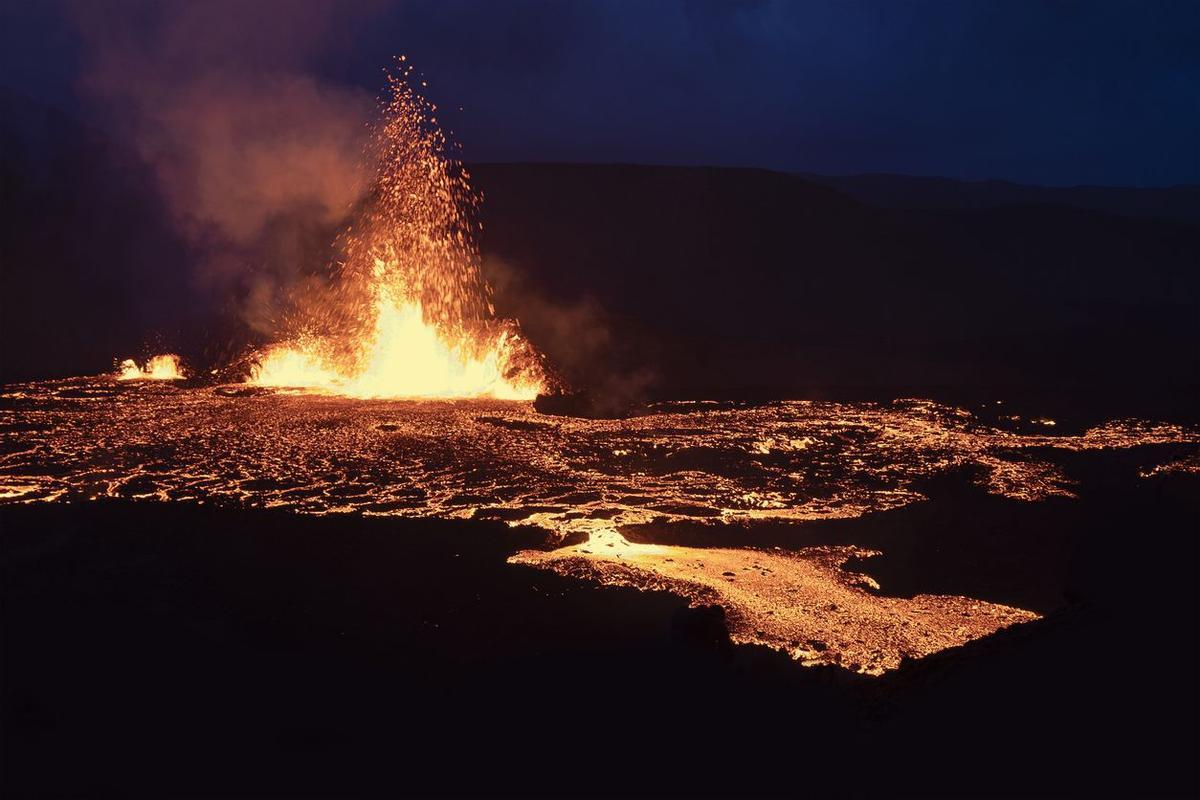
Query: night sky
[[1037, 92]]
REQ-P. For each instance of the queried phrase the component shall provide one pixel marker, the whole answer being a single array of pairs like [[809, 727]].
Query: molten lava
[[410, 314], [164, 367], [402, 356], [713, 503]]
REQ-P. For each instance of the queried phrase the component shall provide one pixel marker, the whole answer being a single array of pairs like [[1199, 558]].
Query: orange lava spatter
[[165, 367], [410, 314]]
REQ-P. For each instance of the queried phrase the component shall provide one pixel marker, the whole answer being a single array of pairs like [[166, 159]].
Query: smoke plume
[[577, 334], [259, 159]]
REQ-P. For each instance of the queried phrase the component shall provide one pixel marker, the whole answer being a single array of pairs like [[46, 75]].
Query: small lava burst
[[164, 367]]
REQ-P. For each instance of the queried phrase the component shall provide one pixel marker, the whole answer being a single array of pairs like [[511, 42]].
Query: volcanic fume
[[409, 313]]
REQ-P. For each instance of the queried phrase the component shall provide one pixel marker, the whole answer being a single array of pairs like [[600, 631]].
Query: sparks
[[412, 315], [164, 367]]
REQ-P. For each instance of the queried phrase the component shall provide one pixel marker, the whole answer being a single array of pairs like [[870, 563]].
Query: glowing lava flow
[[803, 602], [410, 315], [718, 504]]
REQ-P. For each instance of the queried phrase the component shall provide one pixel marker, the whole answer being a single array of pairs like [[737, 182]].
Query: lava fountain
[[165, 367], [409, 314]]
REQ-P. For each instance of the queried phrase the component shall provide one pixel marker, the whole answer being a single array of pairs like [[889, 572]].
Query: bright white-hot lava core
[[410, 314]]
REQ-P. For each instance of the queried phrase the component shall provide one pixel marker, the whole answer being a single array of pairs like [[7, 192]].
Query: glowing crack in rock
[[581, 481]]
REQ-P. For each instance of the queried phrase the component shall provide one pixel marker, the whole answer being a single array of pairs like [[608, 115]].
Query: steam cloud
[[578, 336], [258, 159]]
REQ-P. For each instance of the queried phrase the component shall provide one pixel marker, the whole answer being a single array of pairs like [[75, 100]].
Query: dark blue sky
[[1055, 92]]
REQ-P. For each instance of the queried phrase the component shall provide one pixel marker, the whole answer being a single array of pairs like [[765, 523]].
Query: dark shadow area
[[734, 283], [1179, 203], [91, 269], [152, 647]]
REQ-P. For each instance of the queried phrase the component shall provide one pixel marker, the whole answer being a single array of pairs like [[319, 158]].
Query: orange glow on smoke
[[164, 367], [410, 314]]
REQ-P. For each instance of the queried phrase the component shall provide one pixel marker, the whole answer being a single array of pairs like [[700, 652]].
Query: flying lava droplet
[[411, 315]]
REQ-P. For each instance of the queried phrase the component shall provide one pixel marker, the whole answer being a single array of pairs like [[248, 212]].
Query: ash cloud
[[259, 159]]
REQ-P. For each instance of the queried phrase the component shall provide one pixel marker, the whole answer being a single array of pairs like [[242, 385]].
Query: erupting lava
[[159, 368], [410, 314]]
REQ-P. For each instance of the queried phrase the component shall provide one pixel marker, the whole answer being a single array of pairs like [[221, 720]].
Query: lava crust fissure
[[756, 508]]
